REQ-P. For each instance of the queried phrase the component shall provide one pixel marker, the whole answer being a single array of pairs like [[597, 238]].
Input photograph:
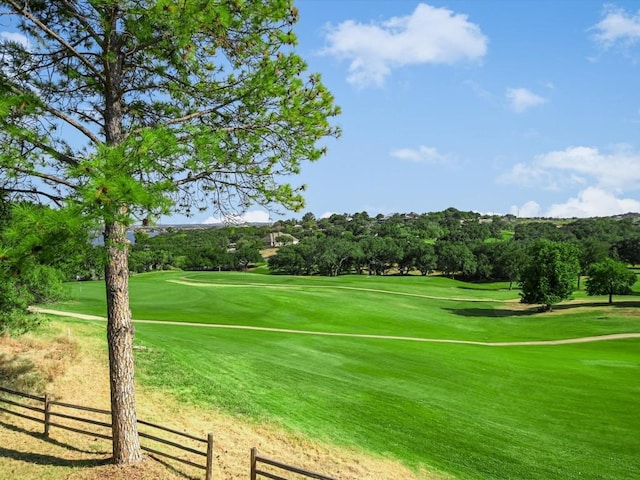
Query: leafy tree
[[360, 224], [628, 249], [288, 260], [36, 255], [425, 259], [246, 253], [591, 251], [537, 230], [550, 273], [381, 254], [509, 262], [609, 277], [455, 258], [165, 106], [333, 255]]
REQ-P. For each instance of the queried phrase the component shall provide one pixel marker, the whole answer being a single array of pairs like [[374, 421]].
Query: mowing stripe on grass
[[337, 287], [565, 341]]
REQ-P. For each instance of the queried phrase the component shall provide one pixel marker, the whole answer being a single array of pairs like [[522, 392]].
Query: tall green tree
[[628, 249], [510, 260], [129, 109], [425, 258], [550, 273], [591, 251], [455, 258], [609, 277]]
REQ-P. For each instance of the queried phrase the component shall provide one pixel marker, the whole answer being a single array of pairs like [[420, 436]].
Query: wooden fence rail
[[47, 413], [255, 470]]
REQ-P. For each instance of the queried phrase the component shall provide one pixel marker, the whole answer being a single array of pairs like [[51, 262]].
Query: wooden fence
[[47, 412], [255, 470]]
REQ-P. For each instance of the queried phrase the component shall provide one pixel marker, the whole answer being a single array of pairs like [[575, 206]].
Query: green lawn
[[564, 411]]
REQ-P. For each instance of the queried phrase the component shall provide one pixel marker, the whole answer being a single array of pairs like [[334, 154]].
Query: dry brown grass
[[73, 364]]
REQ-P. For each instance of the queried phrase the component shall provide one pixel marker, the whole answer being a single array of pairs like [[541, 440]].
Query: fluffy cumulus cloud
[[604, 181], [522, 99], [615, 171], [252, 216], [428, 35], [617, 28], [528, 210], [421, 154], [593, 202]]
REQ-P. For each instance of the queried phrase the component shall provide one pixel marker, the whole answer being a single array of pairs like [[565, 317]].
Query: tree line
[[463, 245], [547, 258]]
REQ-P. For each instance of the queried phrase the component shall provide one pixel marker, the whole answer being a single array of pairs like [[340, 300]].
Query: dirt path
[[566, 341]]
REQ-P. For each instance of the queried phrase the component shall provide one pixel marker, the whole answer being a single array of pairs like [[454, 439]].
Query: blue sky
[[496, 106], [530, 107]]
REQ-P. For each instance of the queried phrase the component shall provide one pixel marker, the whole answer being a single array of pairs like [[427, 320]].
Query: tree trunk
[[126, 444]]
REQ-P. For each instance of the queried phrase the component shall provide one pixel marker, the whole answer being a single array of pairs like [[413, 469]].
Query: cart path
[[338, 287], [566, 341]]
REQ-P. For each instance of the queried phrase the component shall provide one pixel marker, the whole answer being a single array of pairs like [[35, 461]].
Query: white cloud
[[528, 175], [522, 99], [327, 214], [252, 216], [528, 210], [617, 27], [616, 172], [421, 154], [428, 35], [16, 37], [602, 180], [593, 202]]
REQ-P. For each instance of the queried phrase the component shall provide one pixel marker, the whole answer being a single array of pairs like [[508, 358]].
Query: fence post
[[209, 474], [47, 414], [254, 454]]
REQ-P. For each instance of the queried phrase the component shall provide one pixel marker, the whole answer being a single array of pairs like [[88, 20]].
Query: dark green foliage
[[628, 249], [606, 229], [509, 261], [535, 230], [610, 277], [39, 249], [550, 273], [456, 258], [213, 248], [400, 243], [424, 258]]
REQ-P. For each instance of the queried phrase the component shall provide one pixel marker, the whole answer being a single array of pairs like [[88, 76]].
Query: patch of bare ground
[[71, 365]]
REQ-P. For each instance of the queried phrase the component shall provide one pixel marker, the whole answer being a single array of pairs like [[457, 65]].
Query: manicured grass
[[564, 411]]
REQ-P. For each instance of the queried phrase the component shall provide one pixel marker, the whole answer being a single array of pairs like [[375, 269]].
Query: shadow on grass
[[44, 459], [493, 312], [535, 310], [20, 374], [49, 440], [171, 467]]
